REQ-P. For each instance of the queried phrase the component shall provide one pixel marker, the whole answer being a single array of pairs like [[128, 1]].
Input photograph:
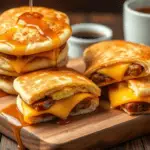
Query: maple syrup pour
[[15, 119], [31, 4], [7, 39], [35, 20]]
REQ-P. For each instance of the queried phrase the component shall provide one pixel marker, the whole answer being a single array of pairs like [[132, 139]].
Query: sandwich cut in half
[[132, 96], [46, 94], [34, 40], [114, 61]]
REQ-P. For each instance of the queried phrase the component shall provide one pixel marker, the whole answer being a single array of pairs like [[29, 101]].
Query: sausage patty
[[137, 107], [43, 104], [47, 102], [82, 105], [97, 78], [134, 70]]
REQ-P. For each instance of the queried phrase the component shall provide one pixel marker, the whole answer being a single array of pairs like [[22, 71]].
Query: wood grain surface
[[7, 144], [105, 128]]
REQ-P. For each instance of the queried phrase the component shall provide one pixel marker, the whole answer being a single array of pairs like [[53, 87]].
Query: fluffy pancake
[[14, 66], [141, 87], [59, 84], [114, 61], [6, 85], [8, 73], [23, 33]]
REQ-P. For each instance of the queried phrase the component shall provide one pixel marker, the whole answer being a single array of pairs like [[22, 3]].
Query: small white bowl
[[77, 45]]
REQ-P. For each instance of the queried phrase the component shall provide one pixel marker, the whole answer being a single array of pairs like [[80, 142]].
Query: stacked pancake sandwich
[[120, 65], [55, 93], [31, 41]]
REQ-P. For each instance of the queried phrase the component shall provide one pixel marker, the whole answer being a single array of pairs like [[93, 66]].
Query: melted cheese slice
[[20, 62], [116, 71], [50, 54], [61, 108], [120, 94]]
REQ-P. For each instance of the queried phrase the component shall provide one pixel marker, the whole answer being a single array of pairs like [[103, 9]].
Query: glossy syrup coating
[[24, 33]]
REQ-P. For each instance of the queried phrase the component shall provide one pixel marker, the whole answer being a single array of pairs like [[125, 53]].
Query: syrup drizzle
[[50, 29], [35, 20], [31, 5], [15, 119]]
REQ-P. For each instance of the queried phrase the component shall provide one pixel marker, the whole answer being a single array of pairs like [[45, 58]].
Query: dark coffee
[[88, 35], [144, 10]]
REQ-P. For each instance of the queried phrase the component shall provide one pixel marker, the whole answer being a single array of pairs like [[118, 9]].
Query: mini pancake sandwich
[[47, 94], [30, 41], [132, 96], [114, 61]]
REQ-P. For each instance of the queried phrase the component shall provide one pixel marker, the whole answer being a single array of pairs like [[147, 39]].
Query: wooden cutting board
[[103, 127]]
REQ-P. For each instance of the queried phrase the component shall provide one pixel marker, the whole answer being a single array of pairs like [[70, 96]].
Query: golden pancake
[[26, 33], [58, 84], [140, 86]]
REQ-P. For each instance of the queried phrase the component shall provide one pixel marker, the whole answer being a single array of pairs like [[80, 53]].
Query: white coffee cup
[[77, 45], [136, 24]]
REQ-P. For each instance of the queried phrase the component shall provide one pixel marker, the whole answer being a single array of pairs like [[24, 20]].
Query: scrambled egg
[[66, 92]]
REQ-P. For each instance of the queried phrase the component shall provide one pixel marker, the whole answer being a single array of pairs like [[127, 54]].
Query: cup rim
[[107, 31], [126, 6]]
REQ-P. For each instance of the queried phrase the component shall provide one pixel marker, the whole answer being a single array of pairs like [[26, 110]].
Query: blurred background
[[71, 5], [107, 12]]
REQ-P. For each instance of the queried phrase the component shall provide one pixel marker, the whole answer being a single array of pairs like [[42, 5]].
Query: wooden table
[[115, 22]]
